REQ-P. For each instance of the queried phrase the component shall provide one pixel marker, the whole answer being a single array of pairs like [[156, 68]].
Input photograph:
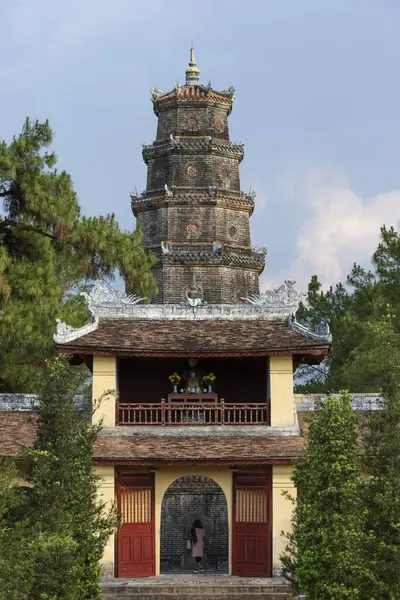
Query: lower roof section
[[18, 430], [171, 450]]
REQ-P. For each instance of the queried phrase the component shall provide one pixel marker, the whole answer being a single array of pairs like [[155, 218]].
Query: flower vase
[[210, 388], [175, 389]]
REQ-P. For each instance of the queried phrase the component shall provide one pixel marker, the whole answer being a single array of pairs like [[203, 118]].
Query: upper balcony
[[238, 395], [192, 409]]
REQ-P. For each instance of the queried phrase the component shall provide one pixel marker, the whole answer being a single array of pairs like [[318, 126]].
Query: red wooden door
[[136, 543], [251, 543]]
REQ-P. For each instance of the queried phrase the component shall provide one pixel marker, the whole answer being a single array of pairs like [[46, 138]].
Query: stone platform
[[195, 587]]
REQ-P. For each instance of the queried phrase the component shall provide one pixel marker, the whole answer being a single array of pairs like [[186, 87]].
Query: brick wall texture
[[187, 499], [202, 205]]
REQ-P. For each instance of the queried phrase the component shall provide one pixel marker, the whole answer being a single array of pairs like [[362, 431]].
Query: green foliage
[[352, 309], [323, 557], [47, 251], [381, 463], [16, 573], [53, 551]]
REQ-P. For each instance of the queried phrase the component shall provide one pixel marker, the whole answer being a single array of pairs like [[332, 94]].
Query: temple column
[[283, 412], [281, 511], [104, 389], [106, 493]]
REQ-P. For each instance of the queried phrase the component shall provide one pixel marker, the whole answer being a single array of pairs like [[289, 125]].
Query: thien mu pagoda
[[199, 414]]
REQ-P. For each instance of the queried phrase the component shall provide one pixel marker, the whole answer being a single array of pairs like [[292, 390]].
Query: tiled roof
[[18, 430], [174, 337], [194, 93], [168, 450]]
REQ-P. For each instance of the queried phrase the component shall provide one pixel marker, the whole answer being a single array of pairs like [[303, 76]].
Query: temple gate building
[[197, 404]]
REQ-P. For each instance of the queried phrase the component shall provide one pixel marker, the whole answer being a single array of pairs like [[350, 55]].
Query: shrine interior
[[145, 380]]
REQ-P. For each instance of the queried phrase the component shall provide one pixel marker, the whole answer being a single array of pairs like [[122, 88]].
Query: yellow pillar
[[281, 389], [106, 492], [281, 511], [104, 388], [164, 478]]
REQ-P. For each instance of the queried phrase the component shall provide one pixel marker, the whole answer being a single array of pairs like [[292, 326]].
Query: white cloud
[[339, 228]]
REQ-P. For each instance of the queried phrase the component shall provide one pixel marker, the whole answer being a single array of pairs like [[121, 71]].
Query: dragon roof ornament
[[156, 94], [102, 295], [283, 301], [101, 298], [319, 333], [65, 333]]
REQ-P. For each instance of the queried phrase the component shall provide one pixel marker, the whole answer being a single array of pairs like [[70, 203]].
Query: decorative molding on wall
[[359, 402], [29, 402], [193, 146], [210, 197]]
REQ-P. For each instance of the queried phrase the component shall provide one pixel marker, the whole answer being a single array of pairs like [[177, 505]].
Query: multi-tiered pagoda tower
[[194, 217]]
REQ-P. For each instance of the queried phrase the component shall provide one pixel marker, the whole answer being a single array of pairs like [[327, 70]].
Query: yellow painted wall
[[283, 412], [164, 478], [106, 492], [281, 507], [105, 379], [281, 510]]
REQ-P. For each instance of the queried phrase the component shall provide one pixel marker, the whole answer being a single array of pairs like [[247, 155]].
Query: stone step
[[193, 589], [184, 595], [199, 590], [239, 596]]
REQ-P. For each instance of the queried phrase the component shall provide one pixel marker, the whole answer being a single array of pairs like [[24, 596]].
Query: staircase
[[195, 587]]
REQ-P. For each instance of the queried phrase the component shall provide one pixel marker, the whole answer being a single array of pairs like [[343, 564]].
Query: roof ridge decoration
[[103, 295], [320, 333], [107, 303], [66, 333], [156, 94], [285, 299], [192, 89]]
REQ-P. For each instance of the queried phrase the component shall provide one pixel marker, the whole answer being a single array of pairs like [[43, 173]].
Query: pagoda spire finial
[[192, 72]]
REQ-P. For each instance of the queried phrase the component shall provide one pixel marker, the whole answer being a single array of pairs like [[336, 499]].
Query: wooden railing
[[192, 413]]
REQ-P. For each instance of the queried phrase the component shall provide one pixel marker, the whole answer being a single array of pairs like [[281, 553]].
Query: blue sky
[[317, 105]]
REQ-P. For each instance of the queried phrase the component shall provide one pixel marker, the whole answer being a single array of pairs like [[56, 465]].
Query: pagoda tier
[[194, 217]]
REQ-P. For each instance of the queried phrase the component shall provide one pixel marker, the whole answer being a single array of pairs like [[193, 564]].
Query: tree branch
[[7, 224]]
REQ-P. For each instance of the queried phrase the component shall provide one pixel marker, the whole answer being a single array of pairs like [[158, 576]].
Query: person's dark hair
[[197, 524]]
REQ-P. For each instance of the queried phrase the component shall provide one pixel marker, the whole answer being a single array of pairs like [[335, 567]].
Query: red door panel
[[136, 542], [251, 547]]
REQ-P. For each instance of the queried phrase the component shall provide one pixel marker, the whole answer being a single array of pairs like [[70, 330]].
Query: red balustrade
[[186, 412]]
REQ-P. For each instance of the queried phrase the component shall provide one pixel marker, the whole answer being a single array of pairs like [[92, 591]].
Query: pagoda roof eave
[[193, 93]]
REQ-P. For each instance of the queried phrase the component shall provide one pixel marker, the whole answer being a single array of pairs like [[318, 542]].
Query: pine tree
[[323, 555], [351, 308], [381, 463], [48, 251]]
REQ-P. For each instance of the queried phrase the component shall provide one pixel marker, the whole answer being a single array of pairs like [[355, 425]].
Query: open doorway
[[187, 499]]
